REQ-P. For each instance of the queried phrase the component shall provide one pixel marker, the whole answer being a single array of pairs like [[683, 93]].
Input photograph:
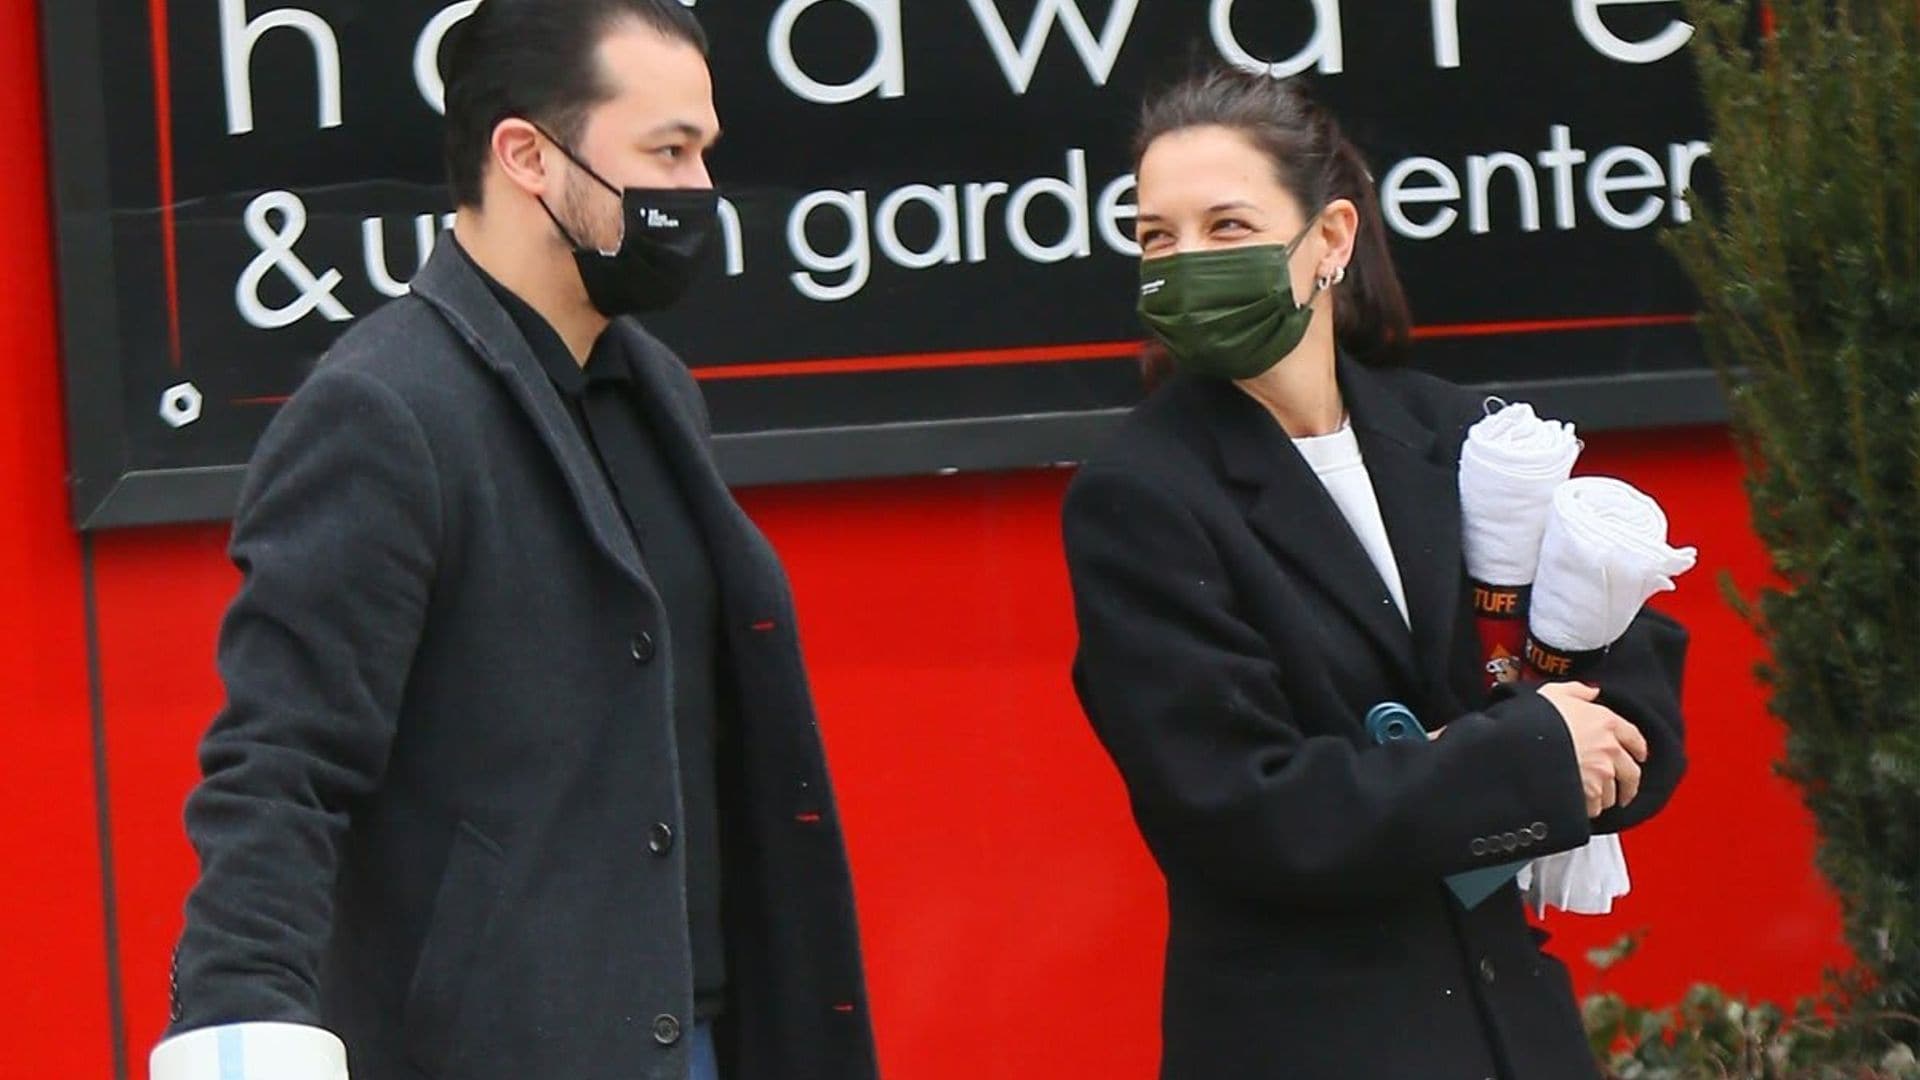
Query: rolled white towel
[[1509, 468], [1604, 555], [251, 1051], [1584, 881]]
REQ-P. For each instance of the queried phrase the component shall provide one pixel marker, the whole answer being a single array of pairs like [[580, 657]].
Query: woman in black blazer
[[1269, 548]]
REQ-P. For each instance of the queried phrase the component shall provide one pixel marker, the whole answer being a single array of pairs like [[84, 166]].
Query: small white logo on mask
[[658, 220], [1152, 287]]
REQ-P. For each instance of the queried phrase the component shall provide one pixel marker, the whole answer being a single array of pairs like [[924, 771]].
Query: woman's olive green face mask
[[1229, 313]]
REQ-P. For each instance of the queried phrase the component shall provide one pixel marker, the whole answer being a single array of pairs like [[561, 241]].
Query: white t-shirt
[[1336, 461]]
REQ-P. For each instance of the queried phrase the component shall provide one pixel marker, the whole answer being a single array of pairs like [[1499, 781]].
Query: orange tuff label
[[1499, 601], [1548, 662], [1552, 663]]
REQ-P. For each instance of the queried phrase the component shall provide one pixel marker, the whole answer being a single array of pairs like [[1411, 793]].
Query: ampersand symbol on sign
[[276, 253]]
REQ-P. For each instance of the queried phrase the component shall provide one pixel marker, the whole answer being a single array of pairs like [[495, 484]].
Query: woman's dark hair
[[536, 59], [1317, 164]]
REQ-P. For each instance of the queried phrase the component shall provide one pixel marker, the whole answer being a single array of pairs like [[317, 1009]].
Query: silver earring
[[1325, 281], [1339, 274]]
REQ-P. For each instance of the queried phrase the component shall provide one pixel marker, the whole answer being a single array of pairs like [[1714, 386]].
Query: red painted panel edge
[[53, 954]]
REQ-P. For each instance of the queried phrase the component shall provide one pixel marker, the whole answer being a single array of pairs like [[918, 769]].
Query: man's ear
[[521, 154]]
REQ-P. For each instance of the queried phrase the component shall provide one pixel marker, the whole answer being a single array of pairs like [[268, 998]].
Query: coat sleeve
[[336, 538], [1225, 784], [1640, 678]]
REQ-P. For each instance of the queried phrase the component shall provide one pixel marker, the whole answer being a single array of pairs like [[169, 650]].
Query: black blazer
[[439, 808], [1233, 635]]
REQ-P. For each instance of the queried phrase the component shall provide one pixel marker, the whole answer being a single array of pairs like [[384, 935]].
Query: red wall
[[53, 954], [1013, 920], [1001, 885]]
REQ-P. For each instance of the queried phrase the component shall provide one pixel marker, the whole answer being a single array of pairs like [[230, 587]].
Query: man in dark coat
[[518, 775]]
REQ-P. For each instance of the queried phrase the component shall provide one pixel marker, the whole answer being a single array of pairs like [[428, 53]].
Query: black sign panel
[[927, 258]]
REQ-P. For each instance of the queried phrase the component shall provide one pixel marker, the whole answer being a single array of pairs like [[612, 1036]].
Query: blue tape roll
[[1391, 721]]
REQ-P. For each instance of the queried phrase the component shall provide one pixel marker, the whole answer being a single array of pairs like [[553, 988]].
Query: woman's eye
[[1231, 225], [671, 153]]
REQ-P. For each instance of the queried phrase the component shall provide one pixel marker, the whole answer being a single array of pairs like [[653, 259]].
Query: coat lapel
[[744, 564], [1293, 513], [457, 293], [1416, 482]]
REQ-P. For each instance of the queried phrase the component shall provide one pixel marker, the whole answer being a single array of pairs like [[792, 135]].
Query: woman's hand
[[1609, 748]]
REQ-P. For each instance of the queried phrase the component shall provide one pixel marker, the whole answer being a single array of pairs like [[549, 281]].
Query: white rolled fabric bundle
[[251, 1051], [1604, 555], [1584, 881], [1510, 466]]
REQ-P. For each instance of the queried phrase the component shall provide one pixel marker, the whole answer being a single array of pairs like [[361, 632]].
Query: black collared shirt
[[603, 399]]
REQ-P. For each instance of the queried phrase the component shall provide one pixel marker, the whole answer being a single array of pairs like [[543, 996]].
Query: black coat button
[[642, 649], [1486, 972], [666, 1030], [660, 838]]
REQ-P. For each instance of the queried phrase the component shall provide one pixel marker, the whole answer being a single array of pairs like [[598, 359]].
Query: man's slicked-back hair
[[536, 59]]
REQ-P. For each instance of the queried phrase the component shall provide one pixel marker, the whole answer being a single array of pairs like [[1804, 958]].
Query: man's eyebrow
[[682, 127]]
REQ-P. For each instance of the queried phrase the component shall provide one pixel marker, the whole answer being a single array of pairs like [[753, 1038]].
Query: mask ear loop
[[1493, 404], [1320, 283], [598, 179], [575, 158]]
